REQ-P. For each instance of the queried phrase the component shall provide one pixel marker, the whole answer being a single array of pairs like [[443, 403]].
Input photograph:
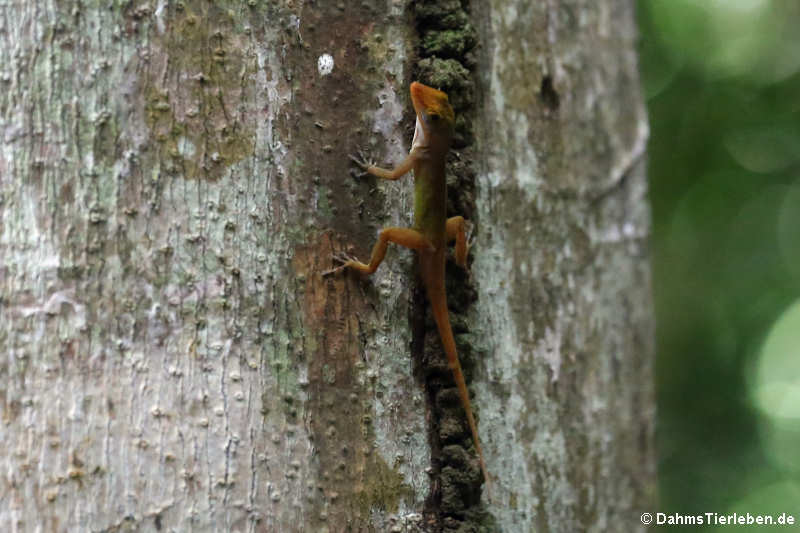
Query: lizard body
[[432, 229]]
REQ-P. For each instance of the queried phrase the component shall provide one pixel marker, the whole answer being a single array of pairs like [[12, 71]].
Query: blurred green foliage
[[722, 82]]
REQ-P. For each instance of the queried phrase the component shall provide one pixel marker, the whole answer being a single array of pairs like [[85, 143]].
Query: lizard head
[[435, 117]]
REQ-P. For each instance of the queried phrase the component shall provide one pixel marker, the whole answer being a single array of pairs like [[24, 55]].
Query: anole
[[432, 229]]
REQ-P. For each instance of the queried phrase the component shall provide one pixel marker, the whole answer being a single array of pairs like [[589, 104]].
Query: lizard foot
[[343, 261], [363, 161], [470, 239]]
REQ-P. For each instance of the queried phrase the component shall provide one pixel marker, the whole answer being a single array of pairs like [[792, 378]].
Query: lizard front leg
[[368, 167]]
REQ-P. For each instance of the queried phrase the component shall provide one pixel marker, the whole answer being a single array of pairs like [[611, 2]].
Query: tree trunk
[[174, 179], [562, 267]]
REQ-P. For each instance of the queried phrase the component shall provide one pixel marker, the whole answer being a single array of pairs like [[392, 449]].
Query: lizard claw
[[469, 227], [363, 161], [342, 259], [471, 237]]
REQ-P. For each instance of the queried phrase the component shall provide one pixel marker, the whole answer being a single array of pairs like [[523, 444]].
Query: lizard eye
[[434, 117]]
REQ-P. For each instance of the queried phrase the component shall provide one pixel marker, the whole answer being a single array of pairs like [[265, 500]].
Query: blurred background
[[722, 82]]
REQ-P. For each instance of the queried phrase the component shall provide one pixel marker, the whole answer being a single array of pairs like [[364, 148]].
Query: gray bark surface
[[562, 266], [174, 179]]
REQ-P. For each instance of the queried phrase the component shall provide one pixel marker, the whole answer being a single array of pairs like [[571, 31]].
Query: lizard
[[432, 230]]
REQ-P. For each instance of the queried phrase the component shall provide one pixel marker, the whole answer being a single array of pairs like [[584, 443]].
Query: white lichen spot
[[325, 64]]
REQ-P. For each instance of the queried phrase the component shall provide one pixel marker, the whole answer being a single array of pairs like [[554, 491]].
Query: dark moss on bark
[[446, 47]]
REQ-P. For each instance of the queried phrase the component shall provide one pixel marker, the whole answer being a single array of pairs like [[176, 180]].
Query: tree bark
[[173, 181], [562, 266]]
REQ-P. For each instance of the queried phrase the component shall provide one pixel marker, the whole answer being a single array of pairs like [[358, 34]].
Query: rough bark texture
[[173, 179], [561, 263], [171, 357]]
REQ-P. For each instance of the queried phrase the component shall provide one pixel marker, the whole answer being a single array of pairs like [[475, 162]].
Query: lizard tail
[[438, 301]]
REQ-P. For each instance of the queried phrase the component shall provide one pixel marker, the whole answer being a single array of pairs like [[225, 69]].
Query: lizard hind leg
[[410, 238], [456, 230]]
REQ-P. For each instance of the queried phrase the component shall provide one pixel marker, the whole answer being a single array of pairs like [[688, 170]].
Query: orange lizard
[[432, 229]]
